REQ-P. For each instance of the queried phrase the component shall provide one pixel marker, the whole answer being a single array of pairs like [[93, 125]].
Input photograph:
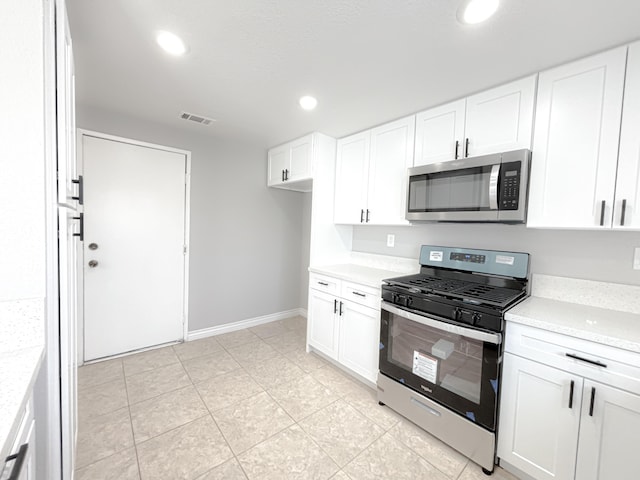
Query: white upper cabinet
[[500, 119], [496, 120], [391, 156], [627, 202], [575, 146], [290, 166], [439, 133], [371, 174], [352, 170]]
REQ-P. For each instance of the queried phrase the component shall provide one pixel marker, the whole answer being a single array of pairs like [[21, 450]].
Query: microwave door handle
[[493, 187]]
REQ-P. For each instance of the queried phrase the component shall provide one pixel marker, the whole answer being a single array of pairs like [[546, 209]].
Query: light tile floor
[[250, 404]]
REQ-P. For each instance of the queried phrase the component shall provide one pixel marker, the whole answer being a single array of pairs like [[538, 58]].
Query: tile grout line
[[133, 437]]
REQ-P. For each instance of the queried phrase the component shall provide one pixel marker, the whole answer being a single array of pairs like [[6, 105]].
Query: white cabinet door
[[627, 202], [323, 322], [391, 156], [65, 110], [359, 339], [539, 421], [609, 434], [278, 160], [68, 294], [439, 134], [301, 155], [500, 119], [352, 169], [575, 147]]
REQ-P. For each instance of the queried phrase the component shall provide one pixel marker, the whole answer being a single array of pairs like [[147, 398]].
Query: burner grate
[[462, 289]]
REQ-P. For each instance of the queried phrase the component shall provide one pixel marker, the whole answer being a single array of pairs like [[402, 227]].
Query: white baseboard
[[242, 324]]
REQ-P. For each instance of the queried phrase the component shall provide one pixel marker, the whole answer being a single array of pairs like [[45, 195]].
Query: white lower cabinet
[[609, 434], [538, 430], [23, 449], [344, 323], [573, 412]]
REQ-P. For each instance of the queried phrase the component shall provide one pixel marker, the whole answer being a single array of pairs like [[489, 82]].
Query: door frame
[[81, 133]]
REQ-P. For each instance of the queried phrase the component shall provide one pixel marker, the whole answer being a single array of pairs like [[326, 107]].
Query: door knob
[[93, 263], [93, 246]]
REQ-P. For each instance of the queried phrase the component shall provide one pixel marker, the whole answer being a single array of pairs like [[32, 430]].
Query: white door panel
[[352, 168], [501, 119], [609, 434], [439, 134], [391, 156], [576, 143], [135, 215], [539, 418], [627, 201]]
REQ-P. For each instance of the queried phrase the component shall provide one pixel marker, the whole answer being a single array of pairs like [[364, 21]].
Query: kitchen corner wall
[[306, 246], [246, 239], [593, 255]]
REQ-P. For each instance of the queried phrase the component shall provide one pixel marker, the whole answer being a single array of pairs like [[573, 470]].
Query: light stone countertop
[[21, 353], [601, 325], [361, 274], [605, 313]]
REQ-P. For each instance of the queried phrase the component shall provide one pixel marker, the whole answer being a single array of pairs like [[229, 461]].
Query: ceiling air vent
[[197, 118]]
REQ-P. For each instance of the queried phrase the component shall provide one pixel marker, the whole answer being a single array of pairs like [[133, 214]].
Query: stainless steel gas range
[[441, 343]]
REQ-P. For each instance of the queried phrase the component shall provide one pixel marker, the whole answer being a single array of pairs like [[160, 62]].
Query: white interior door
[[135, 198]]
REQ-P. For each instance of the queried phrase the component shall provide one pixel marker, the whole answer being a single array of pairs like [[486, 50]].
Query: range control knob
[[475, 318], [456, 313]]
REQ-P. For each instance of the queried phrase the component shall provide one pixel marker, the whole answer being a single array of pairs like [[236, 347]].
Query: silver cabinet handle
[[93, 263], [359, 294], [604, 203], [493, 187], [624, 208]]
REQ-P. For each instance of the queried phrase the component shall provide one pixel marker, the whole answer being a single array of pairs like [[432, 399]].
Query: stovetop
[[467, 291]]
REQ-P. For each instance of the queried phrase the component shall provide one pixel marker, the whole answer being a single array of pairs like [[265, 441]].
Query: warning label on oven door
[[425, 366]]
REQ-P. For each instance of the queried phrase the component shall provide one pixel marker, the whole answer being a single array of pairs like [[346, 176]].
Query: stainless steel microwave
[[490, 188]]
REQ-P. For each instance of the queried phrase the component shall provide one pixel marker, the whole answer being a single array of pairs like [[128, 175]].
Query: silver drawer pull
[[428, 409], [359, 294], [324, 284]]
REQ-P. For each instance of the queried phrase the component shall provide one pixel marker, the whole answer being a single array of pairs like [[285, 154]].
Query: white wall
[[591, 255], [22, 154], [246, 242]]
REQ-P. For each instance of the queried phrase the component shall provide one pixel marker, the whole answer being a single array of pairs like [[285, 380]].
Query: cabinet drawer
[[324, 283], [362, 294], [603, 363]]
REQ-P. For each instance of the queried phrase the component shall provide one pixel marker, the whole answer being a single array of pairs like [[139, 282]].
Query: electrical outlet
[[391, 241], [636, 259]]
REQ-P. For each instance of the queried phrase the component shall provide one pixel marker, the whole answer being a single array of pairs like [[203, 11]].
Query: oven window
[[448, 360], [457, 190]]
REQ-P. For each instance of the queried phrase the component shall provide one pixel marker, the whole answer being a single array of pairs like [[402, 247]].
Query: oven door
[[455, 366], [461, 190]]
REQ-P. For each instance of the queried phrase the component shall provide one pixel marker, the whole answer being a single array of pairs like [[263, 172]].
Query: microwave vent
[[201, 119]]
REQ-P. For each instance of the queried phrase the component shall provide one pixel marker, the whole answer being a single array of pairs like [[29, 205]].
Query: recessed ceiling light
[[308, 103], [171, 43], [477, 11]]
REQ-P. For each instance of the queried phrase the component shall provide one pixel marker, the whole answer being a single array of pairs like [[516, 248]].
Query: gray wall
[[591, 255], [246, 253], [306, 244]]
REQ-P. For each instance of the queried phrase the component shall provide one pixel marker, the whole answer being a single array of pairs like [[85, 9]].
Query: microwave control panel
[[509, 185]]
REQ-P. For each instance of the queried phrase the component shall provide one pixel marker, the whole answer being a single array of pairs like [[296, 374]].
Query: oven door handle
[[493, 338], [493, 187]]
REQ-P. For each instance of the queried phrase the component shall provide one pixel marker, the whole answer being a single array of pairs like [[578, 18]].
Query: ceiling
[[367, 61]]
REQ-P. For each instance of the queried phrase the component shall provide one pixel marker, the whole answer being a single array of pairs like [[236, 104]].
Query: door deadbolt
[[93, 263], [93, 246]]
